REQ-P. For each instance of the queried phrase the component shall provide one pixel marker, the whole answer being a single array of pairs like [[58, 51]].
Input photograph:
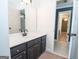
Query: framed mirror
[[16, 20]]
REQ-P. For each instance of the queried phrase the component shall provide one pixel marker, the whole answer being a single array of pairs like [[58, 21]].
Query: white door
[[73, 49]]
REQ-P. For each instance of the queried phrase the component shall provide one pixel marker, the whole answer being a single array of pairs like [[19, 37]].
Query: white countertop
[[17, 38]]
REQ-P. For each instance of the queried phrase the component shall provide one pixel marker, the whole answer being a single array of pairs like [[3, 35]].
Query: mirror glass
[[16, 18]]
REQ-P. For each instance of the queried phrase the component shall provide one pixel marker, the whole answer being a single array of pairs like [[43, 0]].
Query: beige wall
[[64, 26]]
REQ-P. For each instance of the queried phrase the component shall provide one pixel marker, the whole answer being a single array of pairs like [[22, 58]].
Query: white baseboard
[[48, 50], [60, 55]]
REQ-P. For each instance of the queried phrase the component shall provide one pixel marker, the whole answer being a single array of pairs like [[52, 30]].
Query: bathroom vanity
[[27, 47]]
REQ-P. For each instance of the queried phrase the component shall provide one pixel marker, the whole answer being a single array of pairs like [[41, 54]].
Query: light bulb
[[65, 19]]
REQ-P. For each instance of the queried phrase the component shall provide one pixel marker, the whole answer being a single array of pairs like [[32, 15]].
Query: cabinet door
[[31, 53], [34, 52], [37, 51], [43, 44], [21, 55]]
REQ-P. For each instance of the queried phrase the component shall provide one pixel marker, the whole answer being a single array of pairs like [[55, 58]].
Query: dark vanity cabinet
[[29, 50]]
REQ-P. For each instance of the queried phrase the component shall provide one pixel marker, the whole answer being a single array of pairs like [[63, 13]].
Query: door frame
[[56, 21], [72, 46]]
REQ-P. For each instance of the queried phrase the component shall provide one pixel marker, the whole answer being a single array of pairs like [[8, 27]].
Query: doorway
[[62, 29]]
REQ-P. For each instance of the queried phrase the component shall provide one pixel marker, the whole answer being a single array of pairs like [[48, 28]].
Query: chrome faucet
[[25, 32]]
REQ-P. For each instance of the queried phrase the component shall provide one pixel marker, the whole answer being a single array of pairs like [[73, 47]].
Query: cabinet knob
[[17, 50]]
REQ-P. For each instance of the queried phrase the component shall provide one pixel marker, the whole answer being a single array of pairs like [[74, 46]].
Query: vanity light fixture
[[23, 4]]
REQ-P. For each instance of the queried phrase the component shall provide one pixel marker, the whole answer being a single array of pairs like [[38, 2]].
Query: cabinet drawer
[[33, 42], [21, 55], [18, 49]]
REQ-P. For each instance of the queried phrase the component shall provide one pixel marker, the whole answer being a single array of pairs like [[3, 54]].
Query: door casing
[[56, 21]]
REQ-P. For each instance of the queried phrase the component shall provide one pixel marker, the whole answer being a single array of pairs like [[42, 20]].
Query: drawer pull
[[17, 50]]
